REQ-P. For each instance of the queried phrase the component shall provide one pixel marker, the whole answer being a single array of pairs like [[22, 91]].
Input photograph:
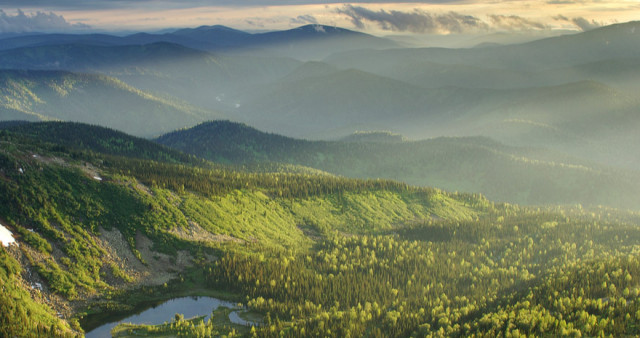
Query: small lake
[[188, 306]]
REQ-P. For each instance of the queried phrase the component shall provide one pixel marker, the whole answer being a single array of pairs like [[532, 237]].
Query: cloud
[[102, 4], [35, 22], [416, 21], [304, 19], [580, 22], [514, 22], [585, 24], [254, 23]]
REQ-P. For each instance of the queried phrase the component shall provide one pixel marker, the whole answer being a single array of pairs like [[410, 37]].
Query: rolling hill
[[167, 70], [371, 234], [94, 99], [583, 105], [317, 101], [605, 43], [586, 118], [84, 137], [608, 55], [332, 105], [304, 42], [504, 173], [100, 235], [98, 232]]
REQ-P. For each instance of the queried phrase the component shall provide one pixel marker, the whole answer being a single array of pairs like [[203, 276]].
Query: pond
[[188, 306]]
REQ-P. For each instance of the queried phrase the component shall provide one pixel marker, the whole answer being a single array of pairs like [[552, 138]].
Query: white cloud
[[416, 21], [580, 22], [373, 16], [22, 22], [420, 21], [514, 23], [304, 19]]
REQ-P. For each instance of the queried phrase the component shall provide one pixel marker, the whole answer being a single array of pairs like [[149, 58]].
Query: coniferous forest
[[306, 252]]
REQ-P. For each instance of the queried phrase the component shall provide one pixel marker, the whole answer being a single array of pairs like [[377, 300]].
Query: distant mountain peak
[[324, 29], [218, 27], [214, 28]]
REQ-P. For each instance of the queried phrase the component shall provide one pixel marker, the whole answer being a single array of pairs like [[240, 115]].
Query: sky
[[435, 17]]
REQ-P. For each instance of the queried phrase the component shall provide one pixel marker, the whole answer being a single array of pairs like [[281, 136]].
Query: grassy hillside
[[84, 220], [517, 175], [345, 238], [309, 254]]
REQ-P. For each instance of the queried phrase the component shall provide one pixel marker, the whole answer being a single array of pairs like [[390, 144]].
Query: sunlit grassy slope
[[59, 199]]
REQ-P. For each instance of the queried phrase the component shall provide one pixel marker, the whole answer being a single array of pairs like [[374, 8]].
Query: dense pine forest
[[109, 223]]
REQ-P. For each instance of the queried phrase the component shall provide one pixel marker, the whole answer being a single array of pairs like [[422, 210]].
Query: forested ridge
[[311, 254], [45, 95], [75, 136], [524, 175]]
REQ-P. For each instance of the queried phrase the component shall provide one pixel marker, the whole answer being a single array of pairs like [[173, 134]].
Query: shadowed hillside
[[96, 99]]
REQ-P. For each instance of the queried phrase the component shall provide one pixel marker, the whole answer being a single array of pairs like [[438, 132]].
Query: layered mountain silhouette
[[474, 164], [90, 98], [573, 93], [310, 41]]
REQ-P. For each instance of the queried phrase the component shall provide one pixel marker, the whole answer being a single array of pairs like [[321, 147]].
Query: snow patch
[[6, 237]]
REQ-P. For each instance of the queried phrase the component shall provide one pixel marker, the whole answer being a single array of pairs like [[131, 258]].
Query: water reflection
[[189, 306]]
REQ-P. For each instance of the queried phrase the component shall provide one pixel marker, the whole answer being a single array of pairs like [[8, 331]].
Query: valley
[[149, 229], [319, 181]]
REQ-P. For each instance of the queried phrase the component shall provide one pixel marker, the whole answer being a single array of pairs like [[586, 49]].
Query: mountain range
[[91, 98], [310, 41], [547, 95], [96, 225], [328, 182]]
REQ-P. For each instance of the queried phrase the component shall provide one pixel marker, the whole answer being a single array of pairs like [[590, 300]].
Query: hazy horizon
[[436, 18]]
